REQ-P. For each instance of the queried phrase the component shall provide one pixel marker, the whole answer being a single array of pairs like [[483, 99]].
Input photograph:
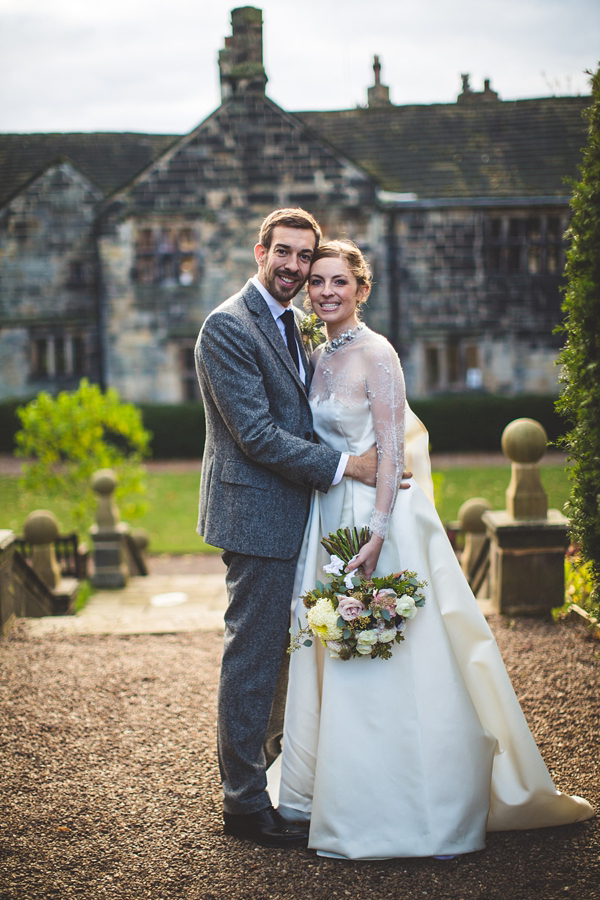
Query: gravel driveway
[[110, 786]]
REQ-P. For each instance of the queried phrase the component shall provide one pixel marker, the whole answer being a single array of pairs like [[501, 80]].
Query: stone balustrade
[[475, 555], [108, 534], [41, 530]]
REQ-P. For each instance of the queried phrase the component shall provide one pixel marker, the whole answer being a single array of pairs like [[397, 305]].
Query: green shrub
[[579, 589], [69, 437], [579, 584], [580, 399]]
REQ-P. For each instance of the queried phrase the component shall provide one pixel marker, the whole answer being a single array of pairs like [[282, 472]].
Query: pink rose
[[350, 608], [385, 599]]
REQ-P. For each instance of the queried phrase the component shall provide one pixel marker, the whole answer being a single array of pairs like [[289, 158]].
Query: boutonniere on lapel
[[311, 329]]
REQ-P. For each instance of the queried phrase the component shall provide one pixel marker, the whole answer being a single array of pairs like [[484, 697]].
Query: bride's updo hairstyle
[[352, 255]]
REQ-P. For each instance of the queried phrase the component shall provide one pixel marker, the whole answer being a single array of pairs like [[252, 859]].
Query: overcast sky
[[151, 65]]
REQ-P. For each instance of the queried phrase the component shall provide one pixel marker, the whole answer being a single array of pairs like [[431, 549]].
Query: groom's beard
[[282, 293]]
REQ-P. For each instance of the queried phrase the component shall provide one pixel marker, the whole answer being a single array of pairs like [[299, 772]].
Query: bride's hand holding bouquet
[[356, 615]]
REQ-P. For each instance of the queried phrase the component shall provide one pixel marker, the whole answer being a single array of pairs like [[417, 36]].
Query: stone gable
[[248, 152], [179, 240]]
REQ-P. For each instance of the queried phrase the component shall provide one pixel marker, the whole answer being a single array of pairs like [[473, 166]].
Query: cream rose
[[334, 648], [365, 641], [405, 606], [385, 635]]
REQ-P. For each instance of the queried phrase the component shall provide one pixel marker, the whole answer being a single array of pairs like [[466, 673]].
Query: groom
[[259, 468]]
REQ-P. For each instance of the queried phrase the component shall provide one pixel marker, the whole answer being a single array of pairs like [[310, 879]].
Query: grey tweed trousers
[[253, 678]]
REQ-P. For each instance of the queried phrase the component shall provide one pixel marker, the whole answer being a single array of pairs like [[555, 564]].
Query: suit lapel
[[268, 326]]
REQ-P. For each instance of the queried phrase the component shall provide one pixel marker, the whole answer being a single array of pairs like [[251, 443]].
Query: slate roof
[[521, 148], [108, 160]]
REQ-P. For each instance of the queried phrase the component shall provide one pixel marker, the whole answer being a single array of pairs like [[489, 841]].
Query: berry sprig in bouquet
[[353, 615]]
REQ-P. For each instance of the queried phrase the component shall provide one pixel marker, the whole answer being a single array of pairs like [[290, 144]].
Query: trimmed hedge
[[178, 431], [456, 422], [10, 423], [475, 422]]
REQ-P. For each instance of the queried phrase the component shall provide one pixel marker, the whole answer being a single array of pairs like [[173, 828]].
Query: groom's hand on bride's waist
[[364, 468]]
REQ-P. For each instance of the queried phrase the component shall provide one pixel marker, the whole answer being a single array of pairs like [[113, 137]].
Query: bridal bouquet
[[353, 615]]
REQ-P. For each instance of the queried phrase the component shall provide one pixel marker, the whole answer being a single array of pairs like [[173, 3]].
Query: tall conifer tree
[[580, 399]]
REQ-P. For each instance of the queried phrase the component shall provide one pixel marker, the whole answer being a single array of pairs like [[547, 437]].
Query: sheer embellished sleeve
[[387, 397]]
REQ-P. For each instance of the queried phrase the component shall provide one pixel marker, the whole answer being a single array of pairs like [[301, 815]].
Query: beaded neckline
[[341, 339]]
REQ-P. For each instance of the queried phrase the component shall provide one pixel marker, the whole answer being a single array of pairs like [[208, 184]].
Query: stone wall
[[48, 328], [479, 296]]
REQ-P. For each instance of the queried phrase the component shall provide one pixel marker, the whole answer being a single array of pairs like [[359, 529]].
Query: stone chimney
[[487, 95], [379, 94], [241, 61]]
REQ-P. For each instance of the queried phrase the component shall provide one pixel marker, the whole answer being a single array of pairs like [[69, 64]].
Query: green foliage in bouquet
[[354, 616], [68, 437], [579, 401]]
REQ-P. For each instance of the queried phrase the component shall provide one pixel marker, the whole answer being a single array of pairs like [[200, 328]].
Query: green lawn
[[173, 502], [170, 520], [454, 486]]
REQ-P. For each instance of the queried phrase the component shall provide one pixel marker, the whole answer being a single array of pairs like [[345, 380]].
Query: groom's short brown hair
[[290, 218]]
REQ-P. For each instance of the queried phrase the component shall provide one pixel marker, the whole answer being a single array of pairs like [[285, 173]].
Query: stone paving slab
[[155, 604], [147, 605]]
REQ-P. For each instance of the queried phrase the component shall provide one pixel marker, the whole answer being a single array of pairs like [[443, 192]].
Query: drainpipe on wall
[[393, 280], [99, 308]]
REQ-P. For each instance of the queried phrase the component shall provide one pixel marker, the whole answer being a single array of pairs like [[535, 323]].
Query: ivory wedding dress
[[416, 755]]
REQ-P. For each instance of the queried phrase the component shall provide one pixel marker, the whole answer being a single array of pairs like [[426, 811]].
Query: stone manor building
[[115, 247]]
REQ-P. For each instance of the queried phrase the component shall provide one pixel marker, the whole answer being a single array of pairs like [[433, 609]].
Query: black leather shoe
[[266, 827]]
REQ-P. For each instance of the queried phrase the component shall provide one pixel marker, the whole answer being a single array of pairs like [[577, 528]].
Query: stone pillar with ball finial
[[41, 530], [108, 534], [528, 541], [474, 557]]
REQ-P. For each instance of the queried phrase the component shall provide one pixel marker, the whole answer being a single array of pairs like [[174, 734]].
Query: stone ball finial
[[470, 513], [41, 527], [104, 481], [524, 441]]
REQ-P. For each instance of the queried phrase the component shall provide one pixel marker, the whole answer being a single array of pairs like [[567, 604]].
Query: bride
[[420, 754]]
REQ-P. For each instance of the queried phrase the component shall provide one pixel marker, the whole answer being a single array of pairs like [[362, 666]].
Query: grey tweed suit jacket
[[260, 462]]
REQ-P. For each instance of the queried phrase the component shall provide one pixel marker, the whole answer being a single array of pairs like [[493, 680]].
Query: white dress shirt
[[277, 310]]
